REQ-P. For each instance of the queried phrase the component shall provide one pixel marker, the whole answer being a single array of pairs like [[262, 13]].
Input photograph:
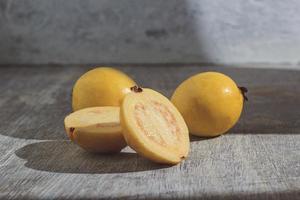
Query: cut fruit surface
[[153, 127], [96, 129]]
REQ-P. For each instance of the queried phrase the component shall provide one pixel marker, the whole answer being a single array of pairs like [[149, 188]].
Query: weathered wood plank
[[259, 159]]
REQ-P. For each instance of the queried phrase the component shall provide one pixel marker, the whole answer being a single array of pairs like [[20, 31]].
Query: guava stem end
[[136, 89], [244, 90]]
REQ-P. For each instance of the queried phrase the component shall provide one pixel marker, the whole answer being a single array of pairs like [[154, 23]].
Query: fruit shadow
[[197, 138], [65, 157]]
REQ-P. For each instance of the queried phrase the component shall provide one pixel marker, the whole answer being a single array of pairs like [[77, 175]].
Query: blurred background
[[141, 32]]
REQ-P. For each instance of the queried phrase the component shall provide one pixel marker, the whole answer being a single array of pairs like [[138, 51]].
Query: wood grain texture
[[258, 159]]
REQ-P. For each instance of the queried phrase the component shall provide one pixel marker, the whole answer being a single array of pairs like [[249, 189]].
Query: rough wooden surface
[[258, 159]]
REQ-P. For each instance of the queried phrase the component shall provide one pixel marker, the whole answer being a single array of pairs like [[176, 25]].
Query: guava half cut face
[[101, 119], [153, 127], [96, 129]]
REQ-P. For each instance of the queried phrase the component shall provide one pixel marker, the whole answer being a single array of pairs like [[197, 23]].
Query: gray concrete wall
[[149, 31]]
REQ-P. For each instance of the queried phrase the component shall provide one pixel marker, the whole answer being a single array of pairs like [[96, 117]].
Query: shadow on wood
[[65, 157], [194, 138]]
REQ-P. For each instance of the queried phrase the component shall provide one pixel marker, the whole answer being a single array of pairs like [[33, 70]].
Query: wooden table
[[259, 158]]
